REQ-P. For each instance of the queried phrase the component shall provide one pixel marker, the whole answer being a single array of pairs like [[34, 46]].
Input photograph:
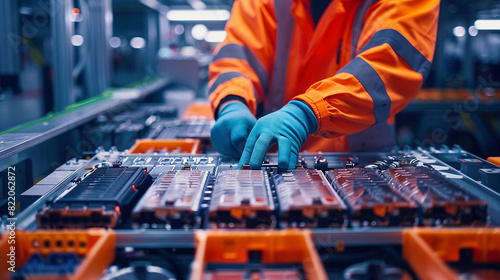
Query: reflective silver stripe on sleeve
[[241, 52], [359, 22], [417, 61], [285, 23], [373, 84], [225, 77]]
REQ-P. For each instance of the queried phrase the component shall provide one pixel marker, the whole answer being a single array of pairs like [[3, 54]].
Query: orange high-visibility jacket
[[363, 63]]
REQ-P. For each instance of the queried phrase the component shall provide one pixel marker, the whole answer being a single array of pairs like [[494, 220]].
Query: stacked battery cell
[[172, 201], [103, 198], [187, 160], [183, 129], [441, 200], [306, 199], [371, 199], [241, 199], [195, 129]]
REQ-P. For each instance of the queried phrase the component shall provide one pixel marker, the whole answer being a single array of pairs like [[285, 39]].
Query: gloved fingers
[[220, 136], [247, 151], [284, 150], [294, 157], [264, 141], [239, 136]]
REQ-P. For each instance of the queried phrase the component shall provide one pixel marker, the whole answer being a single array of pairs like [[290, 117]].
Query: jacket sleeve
[[394, 55], [242, 62]]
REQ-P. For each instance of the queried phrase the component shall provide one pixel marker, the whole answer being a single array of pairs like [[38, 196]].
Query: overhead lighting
[[77, 40], [188, 51], [115, 42], [459, 31], [199, 31], [198, 15], [179, 29], [473, 31], [215, 36], [137, 42], [164, 52], [76, 17], [487, 24]]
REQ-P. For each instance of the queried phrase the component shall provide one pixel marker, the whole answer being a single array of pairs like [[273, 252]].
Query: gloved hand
[[288, 126], [232, 128]]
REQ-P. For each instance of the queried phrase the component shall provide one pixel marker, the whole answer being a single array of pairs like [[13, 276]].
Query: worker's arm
[[239, 74], [233, 125], [395, 51], [242, 62]]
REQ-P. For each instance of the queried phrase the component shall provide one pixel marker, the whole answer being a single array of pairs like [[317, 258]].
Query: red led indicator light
[[145, 171], [117, 209], [134, 188]]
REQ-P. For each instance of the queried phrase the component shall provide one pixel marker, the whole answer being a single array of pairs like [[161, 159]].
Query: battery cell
[[306, 199], [198, 129], [371, 200], [241, 199], [104, 198], [441, 200], [172, 201]]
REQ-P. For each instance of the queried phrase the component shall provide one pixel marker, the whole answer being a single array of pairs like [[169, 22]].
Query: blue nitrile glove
[[288, 126], [231, 129]]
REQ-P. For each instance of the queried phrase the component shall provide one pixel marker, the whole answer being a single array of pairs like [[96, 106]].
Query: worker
[[318, 75]]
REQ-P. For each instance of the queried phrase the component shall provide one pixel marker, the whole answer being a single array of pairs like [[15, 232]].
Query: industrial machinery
[[169, 207], [175, 215], [117, 181]]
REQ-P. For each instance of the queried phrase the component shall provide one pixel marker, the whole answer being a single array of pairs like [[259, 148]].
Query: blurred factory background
[[54, 53], [105, 123]]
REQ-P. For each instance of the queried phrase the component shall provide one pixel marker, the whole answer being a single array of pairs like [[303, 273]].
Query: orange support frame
[[447, 95], [427, 250], [232, 247], [198, 110], [95, 246], [4, 258], [494, 160], [185, 146]]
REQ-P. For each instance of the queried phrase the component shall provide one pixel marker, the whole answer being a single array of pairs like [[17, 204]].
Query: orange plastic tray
[[445, 95], [186, 146], [231, 247], [95, 246], [198, 110], [494, 160], [427, 250]]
